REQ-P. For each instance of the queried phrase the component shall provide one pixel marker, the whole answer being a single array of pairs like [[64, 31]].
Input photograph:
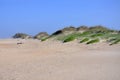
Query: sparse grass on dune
[[70, 37], [97, 35], [84, 40], [91, 37], [88, 35], [113, 38], [93, 41], [115, 41], [73, 36], [44, 38]]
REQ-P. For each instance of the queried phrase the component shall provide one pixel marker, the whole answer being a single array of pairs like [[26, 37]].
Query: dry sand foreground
[[52, 60]]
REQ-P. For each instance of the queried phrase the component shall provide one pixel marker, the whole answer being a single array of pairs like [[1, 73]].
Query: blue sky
[[34, 16]]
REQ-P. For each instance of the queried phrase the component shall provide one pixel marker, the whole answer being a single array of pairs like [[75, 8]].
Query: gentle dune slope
[[53, 60]]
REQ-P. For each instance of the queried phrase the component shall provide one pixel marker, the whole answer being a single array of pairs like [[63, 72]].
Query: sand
[[53, 60]]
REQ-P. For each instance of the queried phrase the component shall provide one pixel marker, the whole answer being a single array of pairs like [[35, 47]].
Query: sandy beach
[[54, 60]]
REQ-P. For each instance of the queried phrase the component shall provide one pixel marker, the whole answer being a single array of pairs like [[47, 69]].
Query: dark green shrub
[[93, 41], [84, 40]]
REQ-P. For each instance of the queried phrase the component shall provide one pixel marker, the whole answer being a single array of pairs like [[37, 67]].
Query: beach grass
[[93, 41]]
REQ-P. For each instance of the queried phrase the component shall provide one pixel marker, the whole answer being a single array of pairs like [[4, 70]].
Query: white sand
[[52, 60]]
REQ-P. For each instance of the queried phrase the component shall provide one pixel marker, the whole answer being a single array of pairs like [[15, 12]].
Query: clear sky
[[34, 16]]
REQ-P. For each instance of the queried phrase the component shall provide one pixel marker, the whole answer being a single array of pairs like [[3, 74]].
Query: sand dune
[[53, 60]]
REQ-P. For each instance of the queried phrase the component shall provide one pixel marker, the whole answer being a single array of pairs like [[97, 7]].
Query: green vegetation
[[115, 42], [44, 38], [99, 28], [84, 40], [93, 41], [69, 38], [83, 34], [97, 35], [41, 36], [90, 37]]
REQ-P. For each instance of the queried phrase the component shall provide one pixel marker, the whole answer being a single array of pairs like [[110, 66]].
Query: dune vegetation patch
[[70, 37], [44, 38], [114, 41], [83, 34], [93, 41], [97, 35], [84, 40]]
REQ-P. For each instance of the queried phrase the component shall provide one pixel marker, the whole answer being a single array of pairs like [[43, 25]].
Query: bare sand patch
[[53, 60]]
